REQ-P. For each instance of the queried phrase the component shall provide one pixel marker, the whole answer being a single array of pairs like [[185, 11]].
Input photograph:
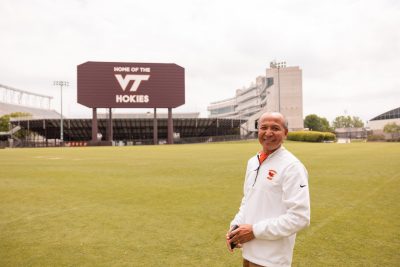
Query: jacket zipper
[[259, 165]]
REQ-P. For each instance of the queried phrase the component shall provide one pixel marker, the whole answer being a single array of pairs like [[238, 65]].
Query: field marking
[[311, 231], [34, 216], [57, 212], [46, 157], [323, 223], [55, 158]]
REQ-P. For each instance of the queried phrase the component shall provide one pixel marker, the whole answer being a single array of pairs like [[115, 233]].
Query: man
[[276, 202]]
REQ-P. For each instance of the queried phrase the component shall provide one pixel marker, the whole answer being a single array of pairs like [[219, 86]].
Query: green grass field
[[171, 205]]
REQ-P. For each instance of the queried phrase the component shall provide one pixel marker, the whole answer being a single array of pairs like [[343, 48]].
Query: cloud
[[348, 50]]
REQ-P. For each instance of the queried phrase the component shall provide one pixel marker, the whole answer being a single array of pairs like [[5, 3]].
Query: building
[[378, 123], [279, 90], [352, 133]]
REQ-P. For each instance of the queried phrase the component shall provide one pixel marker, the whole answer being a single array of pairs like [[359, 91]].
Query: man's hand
[[227, 237], [239, 236]]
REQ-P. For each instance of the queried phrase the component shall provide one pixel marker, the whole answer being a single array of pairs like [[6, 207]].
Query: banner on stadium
[[130, 85]]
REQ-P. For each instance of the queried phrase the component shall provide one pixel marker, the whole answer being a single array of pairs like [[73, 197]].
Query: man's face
[[271, 132]]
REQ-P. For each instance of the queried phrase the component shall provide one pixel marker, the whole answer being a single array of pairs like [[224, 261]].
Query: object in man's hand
[[233, 245]]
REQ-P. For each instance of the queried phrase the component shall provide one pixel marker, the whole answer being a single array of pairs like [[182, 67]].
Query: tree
[[392, 128], [347, 122], [357, 122], [316, 123], [312, 122], [342, 122], [325, 125], [5, 121]]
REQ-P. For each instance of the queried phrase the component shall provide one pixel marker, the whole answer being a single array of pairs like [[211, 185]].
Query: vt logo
[[136, 78], [271, 174]]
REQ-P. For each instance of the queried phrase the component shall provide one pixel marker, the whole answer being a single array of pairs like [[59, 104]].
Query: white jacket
[[276, 202]]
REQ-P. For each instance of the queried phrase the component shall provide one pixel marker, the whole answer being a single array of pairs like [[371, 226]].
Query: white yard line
[[45, 214], [316, 228]]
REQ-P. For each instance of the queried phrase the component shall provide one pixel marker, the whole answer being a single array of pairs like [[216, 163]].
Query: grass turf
[[171, 205]]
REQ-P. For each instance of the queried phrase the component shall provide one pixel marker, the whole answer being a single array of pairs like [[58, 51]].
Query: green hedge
[[375, 137], [311, 136]]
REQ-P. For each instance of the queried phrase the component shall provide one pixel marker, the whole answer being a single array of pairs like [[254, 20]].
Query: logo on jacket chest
[[271, 174]]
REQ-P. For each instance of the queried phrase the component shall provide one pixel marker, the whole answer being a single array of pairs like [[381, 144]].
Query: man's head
[[272, 130]]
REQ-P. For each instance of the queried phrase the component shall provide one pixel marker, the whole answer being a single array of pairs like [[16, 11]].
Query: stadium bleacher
[[43, 127], [135, 131], [37, 113]]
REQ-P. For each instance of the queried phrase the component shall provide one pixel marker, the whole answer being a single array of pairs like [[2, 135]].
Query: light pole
[[278, 65], [61, 84]]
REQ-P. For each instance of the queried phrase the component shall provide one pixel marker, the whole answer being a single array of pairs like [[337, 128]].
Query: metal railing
[[55, 142]]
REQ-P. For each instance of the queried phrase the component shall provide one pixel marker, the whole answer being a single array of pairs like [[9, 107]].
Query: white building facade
[[379, 122], [279, 90]]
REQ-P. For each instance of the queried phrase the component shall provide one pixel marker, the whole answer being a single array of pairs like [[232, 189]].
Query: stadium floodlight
[[61, 84], [278, 65]]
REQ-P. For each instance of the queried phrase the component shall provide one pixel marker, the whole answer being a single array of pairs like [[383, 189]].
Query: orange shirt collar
[[262, 156]]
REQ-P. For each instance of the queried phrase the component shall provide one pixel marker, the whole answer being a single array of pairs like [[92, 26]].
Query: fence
[[57, 143]]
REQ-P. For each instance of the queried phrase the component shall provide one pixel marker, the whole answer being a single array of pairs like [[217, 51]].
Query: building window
[[222, 110], [270, 81]]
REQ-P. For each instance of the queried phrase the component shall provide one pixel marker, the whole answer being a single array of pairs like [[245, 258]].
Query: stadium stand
[[37, 113], [130, 131], [42, 127]]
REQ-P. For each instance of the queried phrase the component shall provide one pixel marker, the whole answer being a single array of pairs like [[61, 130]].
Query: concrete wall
[[288, 89], [379, 124]]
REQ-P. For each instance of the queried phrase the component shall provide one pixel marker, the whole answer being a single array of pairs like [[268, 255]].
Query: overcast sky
[[349, 51]]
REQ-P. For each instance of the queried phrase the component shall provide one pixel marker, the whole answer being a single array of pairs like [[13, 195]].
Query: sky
[[349, 51]]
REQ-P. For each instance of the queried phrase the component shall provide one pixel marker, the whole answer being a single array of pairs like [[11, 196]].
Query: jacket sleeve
[[239, 219], [296, 198]]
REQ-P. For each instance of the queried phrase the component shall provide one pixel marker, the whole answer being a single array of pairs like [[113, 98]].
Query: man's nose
[[268, 132]]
